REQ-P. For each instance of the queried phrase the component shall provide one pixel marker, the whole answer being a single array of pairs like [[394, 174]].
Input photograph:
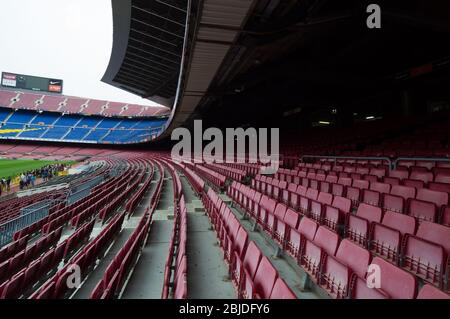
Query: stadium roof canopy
[[265, 59], [147, 47]]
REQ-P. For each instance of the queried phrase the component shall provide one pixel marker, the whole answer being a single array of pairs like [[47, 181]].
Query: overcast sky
[[63, 39]]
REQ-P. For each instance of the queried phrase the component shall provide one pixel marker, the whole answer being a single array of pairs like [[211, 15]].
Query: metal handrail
[[335, 158], [431, 159], [8, 228]]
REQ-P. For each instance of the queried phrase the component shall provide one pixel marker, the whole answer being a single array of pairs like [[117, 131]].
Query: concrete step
[[163, 214], [195, 207]]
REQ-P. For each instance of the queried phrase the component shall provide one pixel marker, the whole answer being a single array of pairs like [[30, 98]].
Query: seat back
[[439, 198], [307, 227], [353, 256], [403, 223], [397, 283], [265, 278], [435, 233], [327, 240], [369, 212], [281, 290]]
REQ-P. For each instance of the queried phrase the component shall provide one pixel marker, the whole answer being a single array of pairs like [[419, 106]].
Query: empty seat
[[361, 184], [353, 194], [325, 187], [346, 181], [391, 181], [422, 210], [327, 240], [307, 228], [360, 290], [395, 201], [395, 282], [399, 173], [430, 292], [281, 291], [371, 197], [265, 278], [331, 178], [422, 176], [325, 198], [285, 195], [403, 223], [443, 177], [439, 198], [344, 204], [331, 217], [440, 187], [445, 219], [426, 164], [290, 221], [250, 264], [385, 238], [380, 172], [266, 206], [425, 259], [336, 271], [380, 187], [312, 194], [357, 227], [278, 214], [435, 233], [414, 183], [337, 190]]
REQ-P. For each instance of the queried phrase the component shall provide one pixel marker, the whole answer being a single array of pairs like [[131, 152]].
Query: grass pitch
[[16, 167]]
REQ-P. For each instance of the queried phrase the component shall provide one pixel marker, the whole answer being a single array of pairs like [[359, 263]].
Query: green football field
[[16, 167]]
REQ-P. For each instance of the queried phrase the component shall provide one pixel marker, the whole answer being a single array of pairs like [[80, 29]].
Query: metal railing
[[89, 184], [28, 215], [81, 191]]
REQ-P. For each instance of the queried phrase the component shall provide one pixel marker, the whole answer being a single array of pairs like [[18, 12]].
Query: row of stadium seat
[[18, 284], [48, 126], [424, 204], [419, 179], [119, 268], [288, 227], [67, 104], [253, 274]]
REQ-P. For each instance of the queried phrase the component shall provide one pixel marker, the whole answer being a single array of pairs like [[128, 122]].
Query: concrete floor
[[146, 281], [207, 271]]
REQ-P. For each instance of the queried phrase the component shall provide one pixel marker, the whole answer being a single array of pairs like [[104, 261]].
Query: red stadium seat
[[424, 259], [430, 292], [435, 233], [371, 197], [360, 290], [438, 198], [336, 271], [281, 291], [445, 219], [418, 184], [337, 190], [250, 264], [395, 201], [357, 227], [331, 217], [422, 210], [344, 204], [443, 177], [399, 173], [394, 283], [265, 278]]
